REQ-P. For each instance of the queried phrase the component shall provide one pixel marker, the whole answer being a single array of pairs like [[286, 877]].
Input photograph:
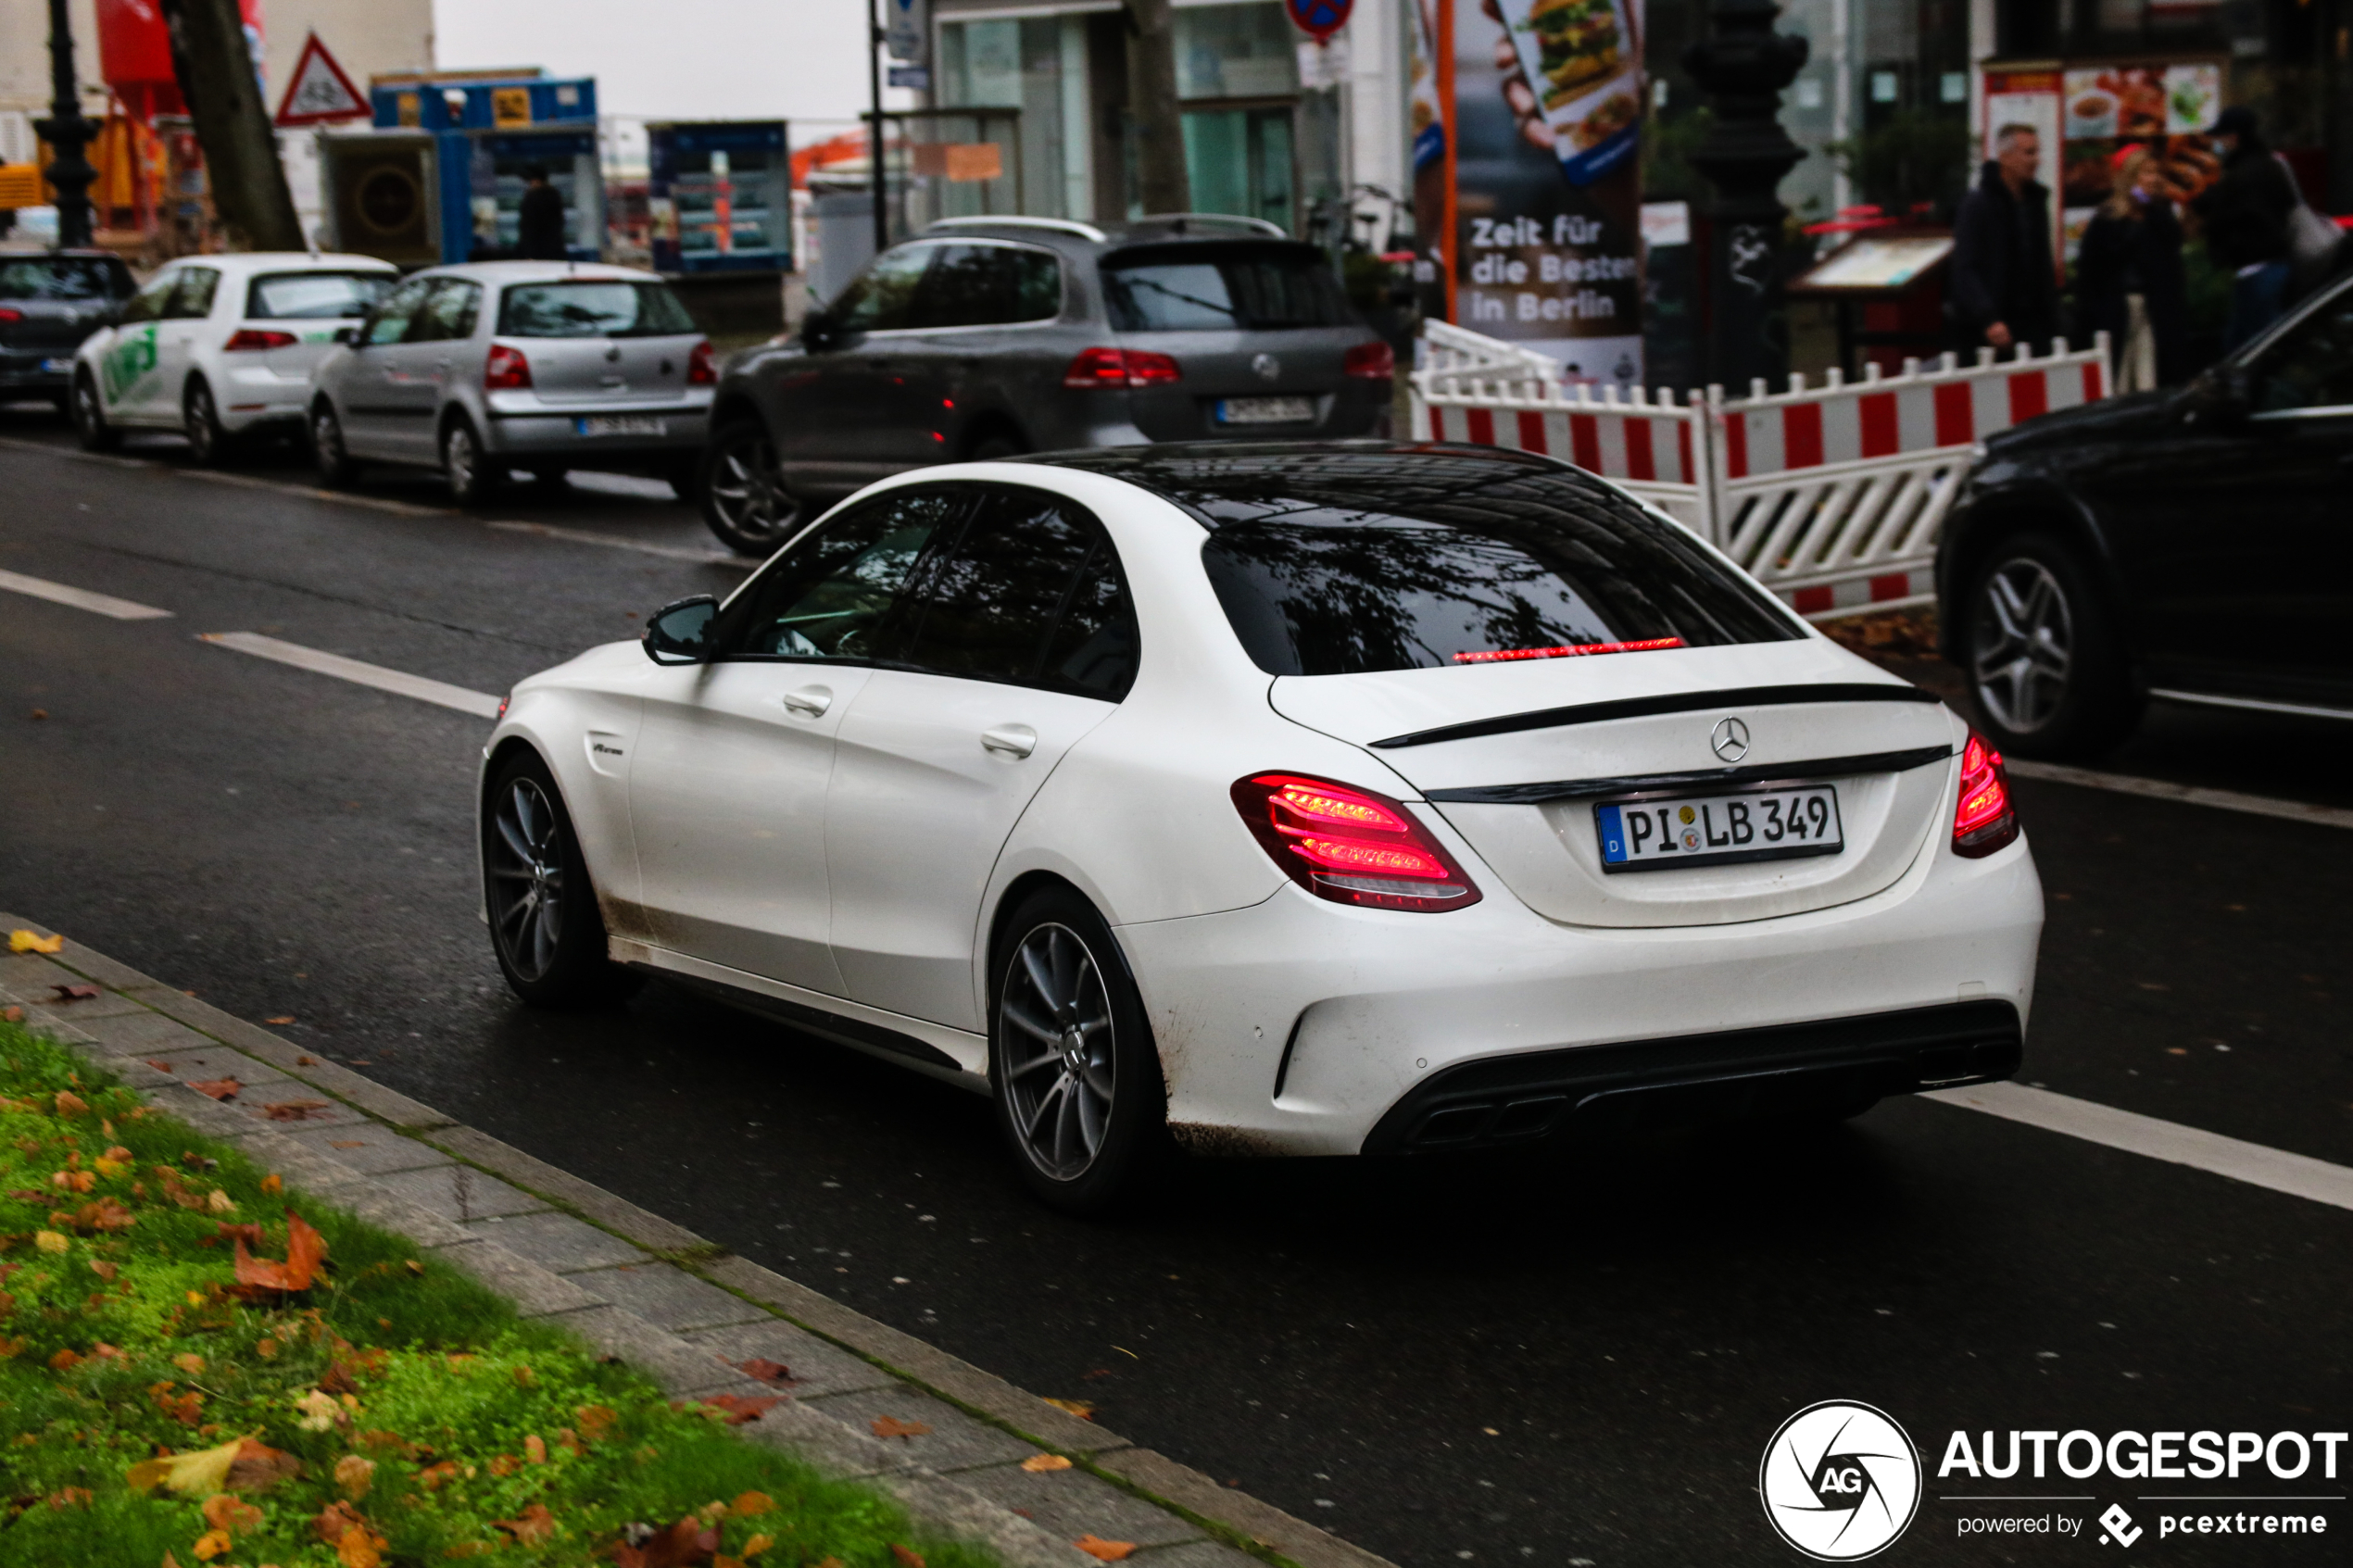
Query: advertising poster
[[2089, 115], [1531, 117]]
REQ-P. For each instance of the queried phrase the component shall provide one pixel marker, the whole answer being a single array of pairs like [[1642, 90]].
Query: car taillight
[[253, 340], [1985, 821], [506, 370], [1373, 361], [7, 315], [1351, 845], [702, 368], [1121, 367]]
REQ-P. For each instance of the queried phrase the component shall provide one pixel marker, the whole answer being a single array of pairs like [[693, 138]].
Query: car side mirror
[[2222, 397], [348, 334], [680, 633], [818, 332]]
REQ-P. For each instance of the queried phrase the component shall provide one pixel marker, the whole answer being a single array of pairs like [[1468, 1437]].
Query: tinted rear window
[[1223, 288], [1337, 563], [592, 308], [63, 277], [315, 295]]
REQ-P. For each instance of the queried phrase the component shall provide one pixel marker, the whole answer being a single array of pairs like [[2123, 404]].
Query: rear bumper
[[1701, 1078], [24, 373], [546, 435]]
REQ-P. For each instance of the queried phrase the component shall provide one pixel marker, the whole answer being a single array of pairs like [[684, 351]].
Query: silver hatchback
[[482, 368]]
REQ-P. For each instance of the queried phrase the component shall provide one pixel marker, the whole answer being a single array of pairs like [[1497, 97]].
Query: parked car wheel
[[474, 475], [2045, 668], [1073, 1068], [336, 467], [545, 926], [90, 426], [744, 498], [200, 422]]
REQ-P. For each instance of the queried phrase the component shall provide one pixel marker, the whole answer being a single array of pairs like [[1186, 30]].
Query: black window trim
[[973, 492]]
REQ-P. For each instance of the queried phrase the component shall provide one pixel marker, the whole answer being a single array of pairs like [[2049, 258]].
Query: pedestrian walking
[[2244, 218], [2004, 286], [539, 222], [2129, 279]]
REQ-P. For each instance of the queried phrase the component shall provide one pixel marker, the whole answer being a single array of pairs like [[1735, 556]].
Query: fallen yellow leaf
[[196, 1475], [211, 1544], [26, 942], [355, 1476], [1109, 1551], [756, 1545], [50, 1241], [1083, 1409], [1039, 1465], [359, 1549], [750, 1505], [272, 1185]]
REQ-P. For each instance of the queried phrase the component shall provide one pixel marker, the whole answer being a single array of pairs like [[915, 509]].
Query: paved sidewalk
[[679, 1308]]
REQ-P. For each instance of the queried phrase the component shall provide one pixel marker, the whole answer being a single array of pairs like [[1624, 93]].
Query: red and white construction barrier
[[1830, 495]]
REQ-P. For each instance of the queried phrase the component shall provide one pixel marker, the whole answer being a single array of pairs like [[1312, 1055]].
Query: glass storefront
[[1256, 144]]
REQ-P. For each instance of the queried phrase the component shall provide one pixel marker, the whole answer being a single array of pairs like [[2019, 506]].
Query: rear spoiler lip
[[1762, 775], [1674, 702]]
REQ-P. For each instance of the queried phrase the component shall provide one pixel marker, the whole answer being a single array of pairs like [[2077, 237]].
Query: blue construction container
[[483, 135]]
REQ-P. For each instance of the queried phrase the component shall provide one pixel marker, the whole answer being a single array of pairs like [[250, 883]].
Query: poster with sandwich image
[[1582, 59]]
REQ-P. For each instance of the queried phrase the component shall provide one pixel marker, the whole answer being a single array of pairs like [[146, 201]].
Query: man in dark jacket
[[2004, 280], [539, 222], [2244, 216]]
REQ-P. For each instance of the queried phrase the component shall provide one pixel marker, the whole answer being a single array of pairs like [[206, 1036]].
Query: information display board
[[719, 196]]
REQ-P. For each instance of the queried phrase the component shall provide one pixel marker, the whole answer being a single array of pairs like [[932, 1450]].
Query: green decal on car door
[[132, 357]]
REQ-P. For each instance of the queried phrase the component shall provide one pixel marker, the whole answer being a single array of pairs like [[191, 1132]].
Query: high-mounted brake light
[[506, 370], [1116, 367], [252, 340], [1986, 821], [1567, 650], [1372, 361], [702, 366], [1351, 845]]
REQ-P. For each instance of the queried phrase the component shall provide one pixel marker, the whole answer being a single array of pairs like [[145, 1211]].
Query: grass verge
[[183, 1382]]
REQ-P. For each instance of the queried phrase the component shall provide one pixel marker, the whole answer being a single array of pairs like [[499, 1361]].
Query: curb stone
[[640, 1287]]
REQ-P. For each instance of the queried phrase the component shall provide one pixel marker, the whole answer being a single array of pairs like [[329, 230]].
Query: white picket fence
[[1830, 495]]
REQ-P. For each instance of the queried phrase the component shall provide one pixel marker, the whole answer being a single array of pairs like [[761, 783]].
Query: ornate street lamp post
[[1745, 64], [67, 131]]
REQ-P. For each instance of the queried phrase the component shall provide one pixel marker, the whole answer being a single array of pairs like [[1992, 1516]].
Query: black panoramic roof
[[1224, 482]]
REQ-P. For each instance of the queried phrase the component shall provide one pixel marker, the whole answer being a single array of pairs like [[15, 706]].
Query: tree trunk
[[1162, 184], [216, 71]]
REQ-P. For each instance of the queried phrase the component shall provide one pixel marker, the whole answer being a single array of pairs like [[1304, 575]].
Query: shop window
[[1036, 65], [1239, 162], [1236, 52]]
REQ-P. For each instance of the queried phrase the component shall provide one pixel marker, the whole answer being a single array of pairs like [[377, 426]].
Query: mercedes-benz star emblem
[[1729, 740], [1266, 366]]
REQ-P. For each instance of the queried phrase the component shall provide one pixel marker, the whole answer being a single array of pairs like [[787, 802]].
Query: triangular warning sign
[[319, 92]]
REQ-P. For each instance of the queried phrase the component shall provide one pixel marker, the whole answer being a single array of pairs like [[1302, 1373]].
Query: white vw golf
[[220, 347], [1285, 799]]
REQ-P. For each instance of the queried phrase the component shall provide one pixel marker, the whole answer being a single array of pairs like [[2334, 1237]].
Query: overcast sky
[[680, 59]]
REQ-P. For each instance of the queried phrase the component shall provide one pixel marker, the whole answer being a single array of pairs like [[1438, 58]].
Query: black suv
[[989, 337], [2192, 545]]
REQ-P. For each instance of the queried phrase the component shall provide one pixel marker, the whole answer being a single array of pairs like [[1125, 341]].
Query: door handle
[[1013, 740], [810, 702]]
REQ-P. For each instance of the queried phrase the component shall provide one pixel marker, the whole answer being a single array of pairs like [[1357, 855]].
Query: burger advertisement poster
[[1526, 166]]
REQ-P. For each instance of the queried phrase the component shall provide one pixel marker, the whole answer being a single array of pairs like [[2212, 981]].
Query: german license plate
[[1265, 411], [622, 424], [57, 366], [1775, 822]]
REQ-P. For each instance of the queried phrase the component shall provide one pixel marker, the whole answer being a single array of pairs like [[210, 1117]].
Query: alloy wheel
[[88, 418], [527, 879], [202, 424], [2024, 645], [746, 492], [458, 459], [1056, 1049]]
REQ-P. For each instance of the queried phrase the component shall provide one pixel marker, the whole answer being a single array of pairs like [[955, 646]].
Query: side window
[[193, 299], [834, 595], [1095, 646], [2312, 367], [448, 313], [986, 285], [994, 603], [148, 304], [390, 323], [883, 297]]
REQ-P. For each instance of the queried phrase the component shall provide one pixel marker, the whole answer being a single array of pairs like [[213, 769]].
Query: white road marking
[[2296, 1175], [81, 598], [614, 542], [482, 705], [2189, 795]]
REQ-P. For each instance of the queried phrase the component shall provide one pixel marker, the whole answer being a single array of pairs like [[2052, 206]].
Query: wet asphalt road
[[1574, 1357]]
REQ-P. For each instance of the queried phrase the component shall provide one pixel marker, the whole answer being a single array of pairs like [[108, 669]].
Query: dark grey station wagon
[[989, 337]]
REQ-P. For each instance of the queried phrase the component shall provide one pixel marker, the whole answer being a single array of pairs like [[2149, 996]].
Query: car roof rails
[[1009, 220], [1180, 222]]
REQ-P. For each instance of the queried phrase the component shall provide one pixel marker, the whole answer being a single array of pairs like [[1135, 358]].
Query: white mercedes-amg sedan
[[1338, 798]]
